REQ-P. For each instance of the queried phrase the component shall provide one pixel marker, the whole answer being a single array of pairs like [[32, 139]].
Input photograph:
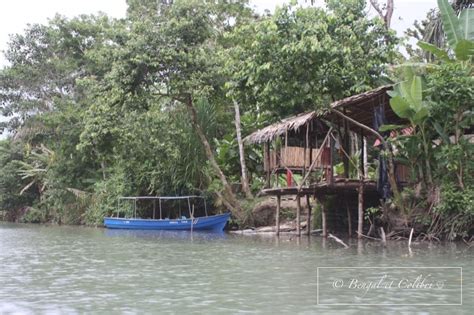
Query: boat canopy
[[161, 198]]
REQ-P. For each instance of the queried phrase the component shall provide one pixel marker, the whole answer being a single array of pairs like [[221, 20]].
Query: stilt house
[[330, 154]]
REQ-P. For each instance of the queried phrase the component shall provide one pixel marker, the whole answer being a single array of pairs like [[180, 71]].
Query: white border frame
[[387, 304]]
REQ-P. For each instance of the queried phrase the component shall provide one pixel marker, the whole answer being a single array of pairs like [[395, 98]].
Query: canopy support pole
[[189, 205], [192, 218], [135, 211], [159, 201]]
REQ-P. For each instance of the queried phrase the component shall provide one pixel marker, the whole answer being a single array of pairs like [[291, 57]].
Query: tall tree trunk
[[103, 169], [388, 7], [228, 194], [244, 180]]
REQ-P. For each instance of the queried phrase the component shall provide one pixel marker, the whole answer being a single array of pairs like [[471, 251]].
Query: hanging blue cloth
[[383, 185]]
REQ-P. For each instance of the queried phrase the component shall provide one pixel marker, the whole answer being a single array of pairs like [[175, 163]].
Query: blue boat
[[214, 223]]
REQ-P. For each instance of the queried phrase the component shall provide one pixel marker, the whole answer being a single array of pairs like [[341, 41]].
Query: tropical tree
[[302, 58], [172, 66]]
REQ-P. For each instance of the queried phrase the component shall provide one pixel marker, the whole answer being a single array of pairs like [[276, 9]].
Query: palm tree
[[36, 168], [431, 29]]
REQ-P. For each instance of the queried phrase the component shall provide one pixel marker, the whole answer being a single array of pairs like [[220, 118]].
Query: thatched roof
[[358, 107], [277, 129], [361, 98]]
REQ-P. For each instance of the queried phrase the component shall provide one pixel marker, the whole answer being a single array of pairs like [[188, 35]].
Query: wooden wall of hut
[[294, 157]]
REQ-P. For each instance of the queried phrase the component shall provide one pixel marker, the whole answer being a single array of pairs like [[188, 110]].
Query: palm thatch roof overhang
[[271, 132], [359, 107]]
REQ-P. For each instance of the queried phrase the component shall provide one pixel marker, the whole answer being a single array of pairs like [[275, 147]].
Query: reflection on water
[[71, 270], [166, 235]]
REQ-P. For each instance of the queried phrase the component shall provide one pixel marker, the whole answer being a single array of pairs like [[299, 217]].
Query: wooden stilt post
[[323, 220], [349, 217], [360, 247], [277, 216], [298, 213], [361, 210], [308, 219], [311, 147]]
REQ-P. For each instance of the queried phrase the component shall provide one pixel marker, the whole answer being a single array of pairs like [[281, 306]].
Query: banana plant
[[407, 102], [459, 33], [407, 99]]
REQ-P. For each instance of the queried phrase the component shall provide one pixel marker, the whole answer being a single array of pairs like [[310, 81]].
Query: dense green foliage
[[300, 58], [101, 107], [437, 100]]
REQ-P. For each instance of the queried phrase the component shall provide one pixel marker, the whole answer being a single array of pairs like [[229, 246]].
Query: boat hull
[[210, 223]]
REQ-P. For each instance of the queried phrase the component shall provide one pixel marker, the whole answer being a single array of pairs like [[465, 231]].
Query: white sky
[[16, 14]]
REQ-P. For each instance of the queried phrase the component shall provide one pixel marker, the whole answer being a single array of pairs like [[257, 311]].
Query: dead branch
[[369, 237], [382, 233], [411, 236], [338, 240], [387, 16]]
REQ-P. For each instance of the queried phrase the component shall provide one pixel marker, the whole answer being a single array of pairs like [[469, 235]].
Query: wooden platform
[[288, 191], [339, 186], [346, 188], [342, 186]]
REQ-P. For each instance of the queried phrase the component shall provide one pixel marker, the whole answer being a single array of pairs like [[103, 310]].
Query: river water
[[68, 270]]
